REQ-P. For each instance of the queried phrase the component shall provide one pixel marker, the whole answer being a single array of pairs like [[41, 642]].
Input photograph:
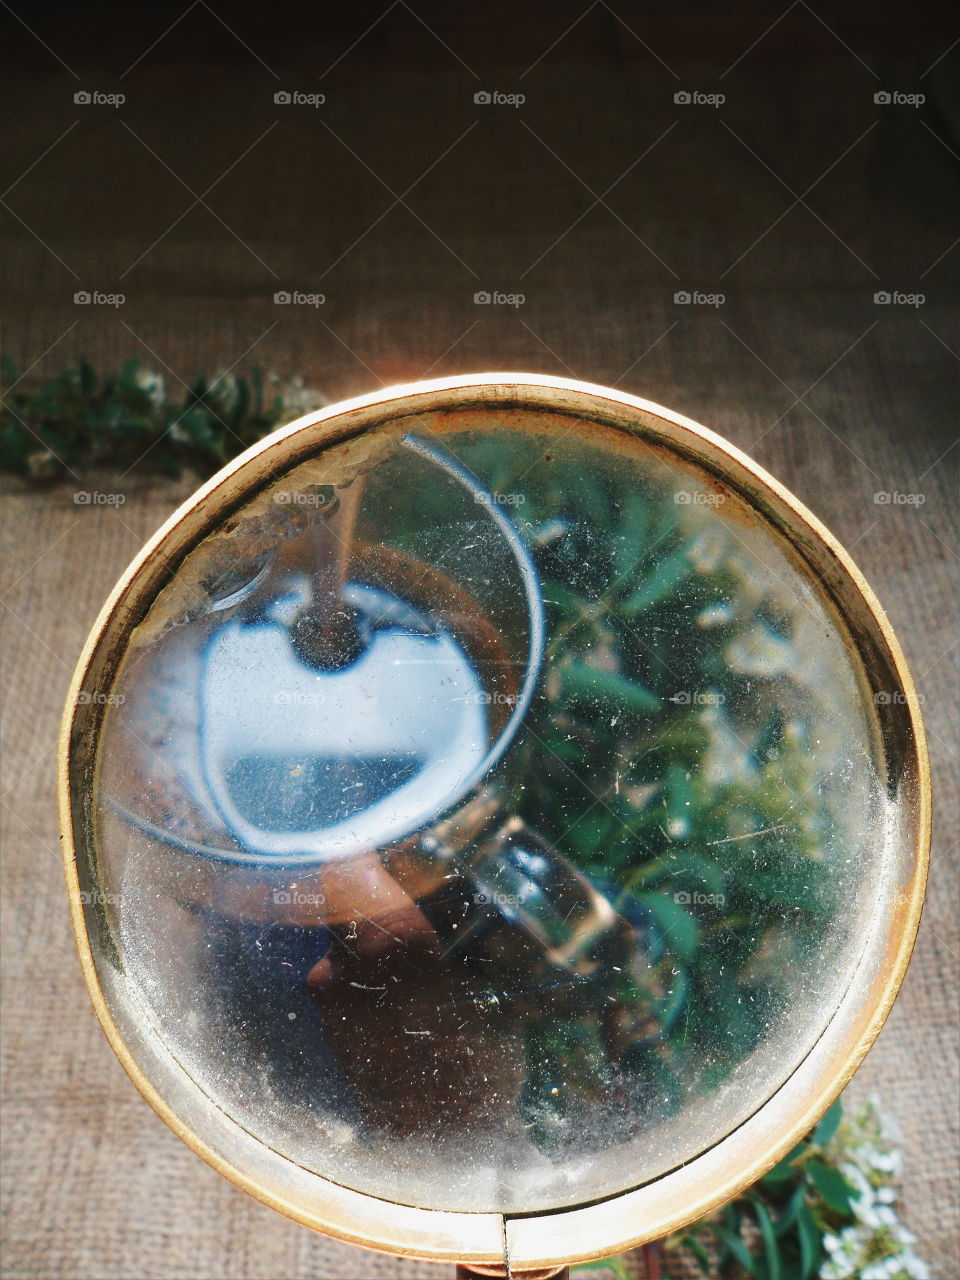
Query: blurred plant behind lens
[[670, 758]]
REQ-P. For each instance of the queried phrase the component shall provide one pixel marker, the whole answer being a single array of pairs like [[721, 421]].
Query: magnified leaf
[[678, 926], [664, 580], [673, 1005], [631, 537], [583, 685]]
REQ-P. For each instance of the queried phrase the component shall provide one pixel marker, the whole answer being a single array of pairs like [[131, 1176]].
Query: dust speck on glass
[[485, 814]]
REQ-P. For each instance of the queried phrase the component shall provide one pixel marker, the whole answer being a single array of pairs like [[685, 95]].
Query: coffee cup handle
[[539, 891]]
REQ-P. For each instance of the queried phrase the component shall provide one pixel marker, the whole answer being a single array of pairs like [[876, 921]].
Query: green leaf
[[14, 447], [582, 684], [569, 605], [591, 498], [679, 798], [256, 382], [699, 1252], [828, 1125], [591, 832], [789, 1215], [672, 1006], [666, 577], [681, 931], [631, 537], [785, 1168], [243, 403], [811, 1246], [831, 1185], [770, 1246], [567, 748], [681, 869], [616, 1266], [739, 1250]]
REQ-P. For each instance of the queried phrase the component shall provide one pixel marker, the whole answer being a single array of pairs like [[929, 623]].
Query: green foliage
[[640, 624], [81, 420], [720, 871], [824, 1210], [616, 1268], [775, 1230]]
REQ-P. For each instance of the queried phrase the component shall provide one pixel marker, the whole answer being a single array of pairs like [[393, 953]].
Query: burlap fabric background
[[598, 199]]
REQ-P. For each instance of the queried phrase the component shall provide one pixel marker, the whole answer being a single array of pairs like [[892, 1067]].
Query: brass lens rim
[[632, 1217]]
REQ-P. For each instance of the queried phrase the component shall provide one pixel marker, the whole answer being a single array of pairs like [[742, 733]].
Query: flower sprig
[[826, 1210], [874, 1245]]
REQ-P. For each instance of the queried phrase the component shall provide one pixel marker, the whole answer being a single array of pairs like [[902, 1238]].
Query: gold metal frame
[[536, 1240]]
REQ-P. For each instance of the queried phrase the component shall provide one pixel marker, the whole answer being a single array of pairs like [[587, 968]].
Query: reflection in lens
[[397, 867]]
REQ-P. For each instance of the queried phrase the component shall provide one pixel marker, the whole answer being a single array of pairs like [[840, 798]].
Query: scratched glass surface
[[484, 819]]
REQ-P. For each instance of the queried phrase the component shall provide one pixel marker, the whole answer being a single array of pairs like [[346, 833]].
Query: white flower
[[297, 397], [915, 1268], [883, 1270], [877, 1246], [152, 383], [862, 1188], [887, 1161], [226, 389], [760, 652]]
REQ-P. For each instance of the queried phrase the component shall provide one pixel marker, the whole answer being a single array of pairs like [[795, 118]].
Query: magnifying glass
[[496, 818]]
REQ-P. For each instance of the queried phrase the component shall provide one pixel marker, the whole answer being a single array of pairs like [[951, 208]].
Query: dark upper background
[[798, 198], [599, 198]]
